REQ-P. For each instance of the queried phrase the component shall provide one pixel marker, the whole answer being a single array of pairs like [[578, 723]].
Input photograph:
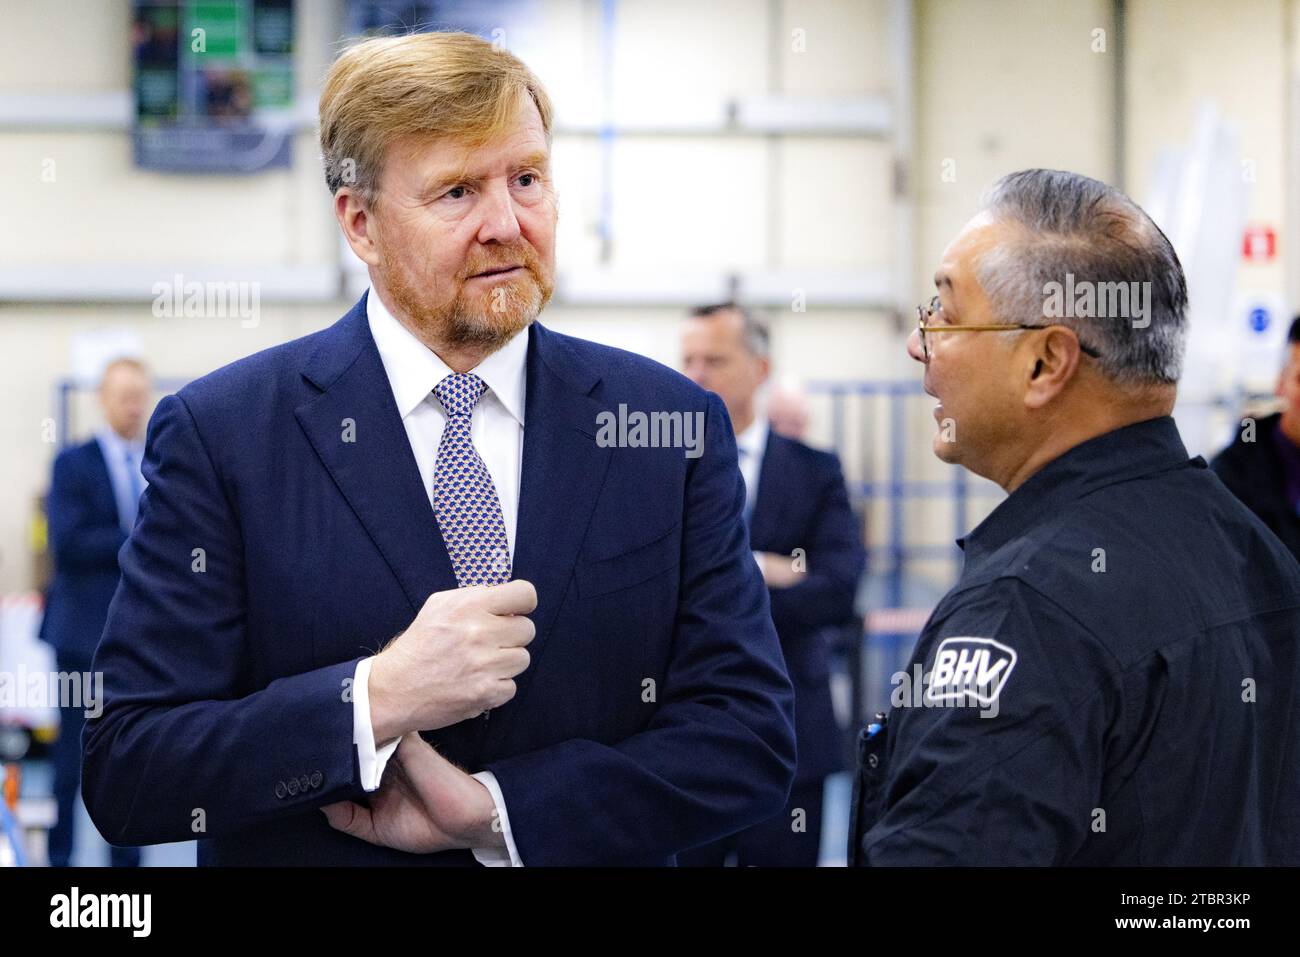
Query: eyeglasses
[[923, 314]]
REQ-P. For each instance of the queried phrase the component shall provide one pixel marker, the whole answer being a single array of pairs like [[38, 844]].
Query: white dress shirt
[[750, 446], [123, 459], [497, 431]]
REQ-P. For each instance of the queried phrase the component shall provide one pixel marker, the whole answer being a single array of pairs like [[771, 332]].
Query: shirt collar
[[1134, 450], [113, 443], [414, 369]]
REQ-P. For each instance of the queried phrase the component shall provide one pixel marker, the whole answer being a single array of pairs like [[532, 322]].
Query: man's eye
[[528, 176], [456, 192]]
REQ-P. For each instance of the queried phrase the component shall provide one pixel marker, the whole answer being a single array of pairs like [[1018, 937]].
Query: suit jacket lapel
[[103, 477], [562, 472], [767, 499], [562, 475], [376, 472]]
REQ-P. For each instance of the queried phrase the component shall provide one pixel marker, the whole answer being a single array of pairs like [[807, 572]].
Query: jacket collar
[[1142, 448]]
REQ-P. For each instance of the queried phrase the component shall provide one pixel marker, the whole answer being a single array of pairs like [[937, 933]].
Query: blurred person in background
[[807, 542], [1262, 465], [91, 509], [787, 410]]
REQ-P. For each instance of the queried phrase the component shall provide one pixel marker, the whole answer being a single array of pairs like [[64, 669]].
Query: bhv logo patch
[[970, 669]]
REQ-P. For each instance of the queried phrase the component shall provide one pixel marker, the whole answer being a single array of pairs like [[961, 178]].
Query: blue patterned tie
[[464, 497]]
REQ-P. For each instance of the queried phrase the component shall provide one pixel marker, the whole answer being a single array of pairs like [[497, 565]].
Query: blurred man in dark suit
[[1262, 465], [92, 504], [807, 542]]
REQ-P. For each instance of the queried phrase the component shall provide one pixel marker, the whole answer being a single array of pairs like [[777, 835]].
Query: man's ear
[[357, 223], [1050, 363]]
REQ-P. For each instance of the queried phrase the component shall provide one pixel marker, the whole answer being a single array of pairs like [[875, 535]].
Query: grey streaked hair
[[753, 333], [1084, 228]]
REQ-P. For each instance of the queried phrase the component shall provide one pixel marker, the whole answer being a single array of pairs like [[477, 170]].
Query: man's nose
[[500, 224], [914, 346]]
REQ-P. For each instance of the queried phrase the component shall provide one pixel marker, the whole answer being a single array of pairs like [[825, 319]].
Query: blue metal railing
[[882, 651], [895, 487]]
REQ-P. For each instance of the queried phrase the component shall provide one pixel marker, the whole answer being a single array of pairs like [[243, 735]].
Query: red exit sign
[[1259, 244]]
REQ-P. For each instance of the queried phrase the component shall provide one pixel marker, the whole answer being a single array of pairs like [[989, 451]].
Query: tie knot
[[460, 392]]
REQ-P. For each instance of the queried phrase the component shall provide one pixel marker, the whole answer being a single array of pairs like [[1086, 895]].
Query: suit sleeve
[[836, 559], [718, 754], [1016, 781], [184, 746], [80, 540]]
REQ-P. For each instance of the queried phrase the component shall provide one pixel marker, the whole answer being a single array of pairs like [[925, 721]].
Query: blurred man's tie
[[137, 487]]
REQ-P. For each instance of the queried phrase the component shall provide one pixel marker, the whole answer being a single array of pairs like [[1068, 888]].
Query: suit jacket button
[[293, 785], [280, 790], [316, 779], [304, 784]]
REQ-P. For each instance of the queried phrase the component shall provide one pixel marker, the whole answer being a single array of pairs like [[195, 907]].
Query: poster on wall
[[213, 85]]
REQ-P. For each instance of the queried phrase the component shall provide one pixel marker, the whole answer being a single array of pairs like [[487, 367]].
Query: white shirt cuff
[[370, 760], [495, 857]]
